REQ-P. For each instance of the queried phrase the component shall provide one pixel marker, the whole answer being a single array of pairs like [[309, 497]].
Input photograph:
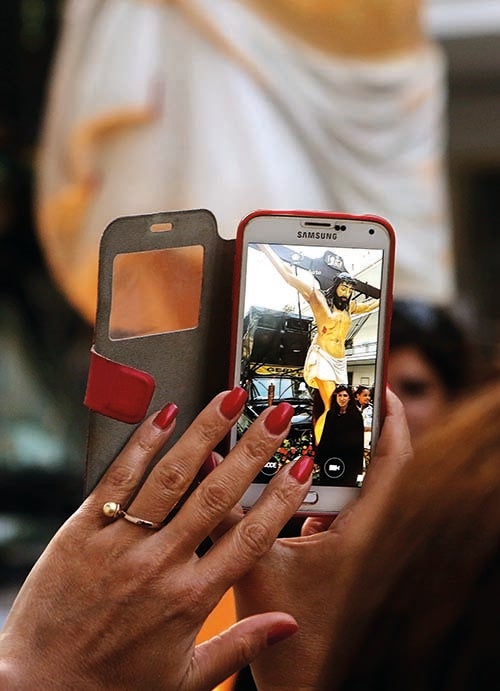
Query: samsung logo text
[[315, 235]]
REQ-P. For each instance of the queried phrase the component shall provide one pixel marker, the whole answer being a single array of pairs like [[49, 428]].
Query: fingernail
[[280, 631], [302, 469], [279, 417], [209, 464], [233, 402], [166, 416]]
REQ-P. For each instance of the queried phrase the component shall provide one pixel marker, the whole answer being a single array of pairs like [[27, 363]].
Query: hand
[[116, 605], [317, 577]]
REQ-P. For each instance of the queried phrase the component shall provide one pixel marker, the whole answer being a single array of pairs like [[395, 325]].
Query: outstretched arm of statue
[[364, 307], [304, 288]]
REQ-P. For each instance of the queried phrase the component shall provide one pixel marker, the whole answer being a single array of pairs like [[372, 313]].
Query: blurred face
[[342, 399], [418, 386]]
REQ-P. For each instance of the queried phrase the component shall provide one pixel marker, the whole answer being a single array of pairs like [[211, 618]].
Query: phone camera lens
[[371, 231], [337, 227], [342, 227]]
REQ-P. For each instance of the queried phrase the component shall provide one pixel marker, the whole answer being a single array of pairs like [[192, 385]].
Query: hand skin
[[111, 605], [318, 579]]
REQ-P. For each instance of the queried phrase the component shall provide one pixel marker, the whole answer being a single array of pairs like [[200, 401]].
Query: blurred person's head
[[430, 361], [433, 623]]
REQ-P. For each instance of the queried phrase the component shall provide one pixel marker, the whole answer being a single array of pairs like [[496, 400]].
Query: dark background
[[43, 342]]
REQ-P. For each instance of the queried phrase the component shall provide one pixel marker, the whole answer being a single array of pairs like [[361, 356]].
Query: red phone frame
[[315, 214]]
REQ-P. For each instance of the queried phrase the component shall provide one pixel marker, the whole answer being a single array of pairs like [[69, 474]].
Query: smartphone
[[312, 309]]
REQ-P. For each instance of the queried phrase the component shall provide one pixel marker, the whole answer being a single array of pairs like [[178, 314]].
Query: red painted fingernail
[[280, 631], [166, 416], [209, 464], [302, 469], [279, 417], [233, 402]]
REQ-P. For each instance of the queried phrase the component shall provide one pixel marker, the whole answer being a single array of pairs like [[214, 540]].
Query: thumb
[[223, 655]]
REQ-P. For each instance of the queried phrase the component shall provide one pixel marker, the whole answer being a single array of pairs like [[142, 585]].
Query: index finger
[[126, 472], [224, 487]]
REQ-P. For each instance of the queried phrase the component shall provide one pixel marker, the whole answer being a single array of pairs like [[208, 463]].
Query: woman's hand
[[113, 605], [314, 576]]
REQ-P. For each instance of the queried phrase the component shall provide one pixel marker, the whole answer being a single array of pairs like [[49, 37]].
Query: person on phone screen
[[339, 453], [325, 365], [363, 397]]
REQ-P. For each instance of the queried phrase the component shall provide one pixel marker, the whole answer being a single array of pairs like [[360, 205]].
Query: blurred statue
[[243, 104]]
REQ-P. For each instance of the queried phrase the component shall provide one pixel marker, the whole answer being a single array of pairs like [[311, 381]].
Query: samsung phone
[[313, 297]]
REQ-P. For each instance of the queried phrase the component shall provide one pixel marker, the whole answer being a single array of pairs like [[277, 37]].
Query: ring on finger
[[112, 509]]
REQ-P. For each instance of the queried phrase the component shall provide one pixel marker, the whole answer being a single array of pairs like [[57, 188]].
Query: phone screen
[[309, 335]]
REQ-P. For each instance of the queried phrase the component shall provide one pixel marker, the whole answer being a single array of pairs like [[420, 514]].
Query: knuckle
[[257, 447], [246, 650], [171, 477], [206, 433], [128, 564], [121, 476], [284, 494], [215, 497], [145, 443], [254, 538], [200, 591], [190, 600]]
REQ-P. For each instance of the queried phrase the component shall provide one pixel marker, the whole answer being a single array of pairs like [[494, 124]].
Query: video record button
[[334, 467]]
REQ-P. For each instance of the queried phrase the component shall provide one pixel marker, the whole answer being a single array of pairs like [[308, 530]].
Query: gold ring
[[113, 510]]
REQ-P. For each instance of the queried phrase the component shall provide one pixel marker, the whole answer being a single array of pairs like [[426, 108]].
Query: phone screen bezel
[[281, 227]]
